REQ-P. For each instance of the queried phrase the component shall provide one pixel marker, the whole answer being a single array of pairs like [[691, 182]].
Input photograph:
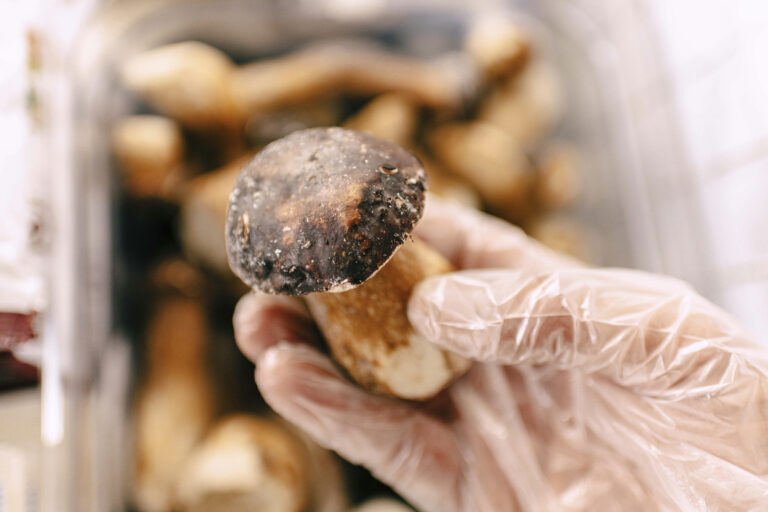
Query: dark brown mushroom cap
[[321, 210]]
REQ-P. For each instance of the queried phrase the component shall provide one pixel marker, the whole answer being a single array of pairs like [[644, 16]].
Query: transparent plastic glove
[[594, 389]]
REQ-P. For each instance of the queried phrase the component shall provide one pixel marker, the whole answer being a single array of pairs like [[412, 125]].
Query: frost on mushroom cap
[[321, 210]]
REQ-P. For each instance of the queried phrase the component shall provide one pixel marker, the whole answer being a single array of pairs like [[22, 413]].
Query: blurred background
[[629, 133]]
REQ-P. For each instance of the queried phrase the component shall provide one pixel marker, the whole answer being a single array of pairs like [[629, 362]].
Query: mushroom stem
[[328, 68], [175, 402], [203, 211], [150, 152], [368, 331], [246, 463]]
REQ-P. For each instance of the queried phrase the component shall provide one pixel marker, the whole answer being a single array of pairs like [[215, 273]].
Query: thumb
[[629, 326]]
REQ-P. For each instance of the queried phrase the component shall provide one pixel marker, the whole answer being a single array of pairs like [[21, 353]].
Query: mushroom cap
[[322, 210]]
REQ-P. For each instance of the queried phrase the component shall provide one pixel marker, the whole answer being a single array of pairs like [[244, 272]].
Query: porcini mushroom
[[245, 463], [203, 210], [528, 105], [174, 403], [499, 46], [327, 213], [491, 160], [355, 67], [189, 81], [389, 116], [150, 152]]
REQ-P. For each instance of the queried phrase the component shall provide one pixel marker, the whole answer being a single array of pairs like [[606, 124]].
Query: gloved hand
[[594, 389]]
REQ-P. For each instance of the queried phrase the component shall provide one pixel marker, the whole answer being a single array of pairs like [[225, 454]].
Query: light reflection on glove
[[594, 389]]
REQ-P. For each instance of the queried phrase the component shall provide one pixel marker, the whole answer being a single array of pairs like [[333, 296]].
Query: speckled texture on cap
[[321, 210]]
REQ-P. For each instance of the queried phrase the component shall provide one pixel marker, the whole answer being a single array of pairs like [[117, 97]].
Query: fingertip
[[426, 299], [270, 380], [296, 380], [283, 366]]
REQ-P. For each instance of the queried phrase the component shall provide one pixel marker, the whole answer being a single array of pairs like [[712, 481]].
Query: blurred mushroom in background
[[190, 82], [246, 463], [174, 403], [356, 67], [203, 215], [150, 151], [499, 46], [526, 106], [390, 116], [491, 160]]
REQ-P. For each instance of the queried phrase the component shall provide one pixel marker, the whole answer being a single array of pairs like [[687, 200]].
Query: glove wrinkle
[[593, 389]]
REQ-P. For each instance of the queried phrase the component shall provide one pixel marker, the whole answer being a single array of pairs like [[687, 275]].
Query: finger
[[471, 239], [410, 451], [629, 326], [261, 321], [491, 420]]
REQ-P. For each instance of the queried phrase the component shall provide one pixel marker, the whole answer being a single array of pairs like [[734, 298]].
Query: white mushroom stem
[[346, 67], [489, 159], [368, 331], [526, 106], [499, 46], [204, 212], [389, 116], [175, 402], [246, 463], [190, 82]]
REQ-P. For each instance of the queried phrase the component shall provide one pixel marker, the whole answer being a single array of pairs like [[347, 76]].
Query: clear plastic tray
[[636, 202]]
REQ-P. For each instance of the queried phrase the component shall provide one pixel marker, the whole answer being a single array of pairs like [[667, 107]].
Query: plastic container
[[636, 202]]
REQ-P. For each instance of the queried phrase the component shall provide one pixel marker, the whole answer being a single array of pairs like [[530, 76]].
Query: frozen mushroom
[[499, 46], [149, 151], [327, 213], [527, 105], [348, 67], [390, 116], [490, 160], [203, 214], [174, 404], [190, 82], [245, 463]]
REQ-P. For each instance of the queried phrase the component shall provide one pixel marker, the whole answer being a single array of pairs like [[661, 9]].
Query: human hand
[[594, 389]]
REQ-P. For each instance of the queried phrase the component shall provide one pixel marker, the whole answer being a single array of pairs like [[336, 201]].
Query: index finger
[[470, 239]]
